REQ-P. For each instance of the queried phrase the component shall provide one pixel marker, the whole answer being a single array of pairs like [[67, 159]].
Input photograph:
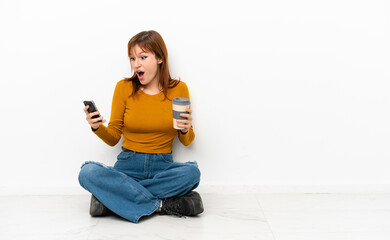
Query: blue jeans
[[137, 183]]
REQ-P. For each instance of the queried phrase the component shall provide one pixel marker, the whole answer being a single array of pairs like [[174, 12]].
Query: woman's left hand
[[185, 123]]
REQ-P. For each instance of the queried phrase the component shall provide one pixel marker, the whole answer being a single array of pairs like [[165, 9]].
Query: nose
[[137, 63]]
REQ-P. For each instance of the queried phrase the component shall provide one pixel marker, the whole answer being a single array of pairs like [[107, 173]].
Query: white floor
[[230, 216]]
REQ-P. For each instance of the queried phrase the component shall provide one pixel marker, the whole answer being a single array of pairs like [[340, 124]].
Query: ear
[[159, 61]]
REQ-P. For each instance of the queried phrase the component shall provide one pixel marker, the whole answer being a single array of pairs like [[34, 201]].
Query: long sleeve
[[113, 132], [187, 138]]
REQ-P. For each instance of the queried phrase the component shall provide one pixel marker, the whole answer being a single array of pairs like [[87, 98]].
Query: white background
[[284, 93]]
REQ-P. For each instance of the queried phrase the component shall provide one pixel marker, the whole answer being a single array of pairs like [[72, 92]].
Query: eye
[[132, 58], [143, 57]]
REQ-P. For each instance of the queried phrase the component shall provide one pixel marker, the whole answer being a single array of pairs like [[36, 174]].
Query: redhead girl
[[145, 179]]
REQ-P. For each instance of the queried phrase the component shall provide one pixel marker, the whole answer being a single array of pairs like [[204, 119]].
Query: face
[[145, 65]]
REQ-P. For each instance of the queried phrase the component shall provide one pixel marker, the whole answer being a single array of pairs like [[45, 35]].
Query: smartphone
[[92, 108]]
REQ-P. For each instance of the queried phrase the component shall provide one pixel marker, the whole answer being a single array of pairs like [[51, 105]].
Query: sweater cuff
[[99, 130]]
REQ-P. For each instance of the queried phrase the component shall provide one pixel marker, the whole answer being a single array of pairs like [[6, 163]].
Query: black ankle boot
[[97, 209], [188, 205]]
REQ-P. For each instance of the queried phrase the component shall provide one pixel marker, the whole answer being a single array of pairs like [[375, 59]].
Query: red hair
[[153, 42]]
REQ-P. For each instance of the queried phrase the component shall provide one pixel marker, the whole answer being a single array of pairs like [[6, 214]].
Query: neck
[[152, 88]]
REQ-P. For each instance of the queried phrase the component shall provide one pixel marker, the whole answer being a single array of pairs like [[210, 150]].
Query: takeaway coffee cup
[[179, 105]]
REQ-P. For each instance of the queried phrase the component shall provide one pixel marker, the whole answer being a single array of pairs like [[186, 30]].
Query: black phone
[[92, 108]]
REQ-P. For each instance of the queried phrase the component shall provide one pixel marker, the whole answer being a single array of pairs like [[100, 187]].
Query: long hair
[[152, 42]]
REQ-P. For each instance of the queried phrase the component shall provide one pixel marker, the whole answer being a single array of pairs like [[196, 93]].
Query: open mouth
[[140, 75]]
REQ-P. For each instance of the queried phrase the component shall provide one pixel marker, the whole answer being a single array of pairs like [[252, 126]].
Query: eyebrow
[[138, 53]]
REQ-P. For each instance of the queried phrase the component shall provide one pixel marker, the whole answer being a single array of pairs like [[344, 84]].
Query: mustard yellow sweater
[[145, 120]]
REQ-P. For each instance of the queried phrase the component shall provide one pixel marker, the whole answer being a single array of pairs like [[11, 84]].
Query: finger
[[184, 123], [86, 109], [96, 124], [189, 110], [183, 126], [95, 120], [188, 116], [94, 114], [184, 129]]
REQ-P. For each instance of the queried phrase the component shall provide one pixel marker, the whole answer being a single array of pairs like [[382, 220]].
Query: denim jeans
[[137, 183]]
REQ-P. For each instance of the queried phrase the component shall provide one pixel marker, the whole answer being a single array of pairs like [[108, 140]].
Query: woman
[[145, 179]]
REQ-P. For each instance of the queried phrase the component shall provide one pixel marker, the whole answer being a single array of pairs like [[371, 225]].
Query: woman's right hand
[[94, 122]]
